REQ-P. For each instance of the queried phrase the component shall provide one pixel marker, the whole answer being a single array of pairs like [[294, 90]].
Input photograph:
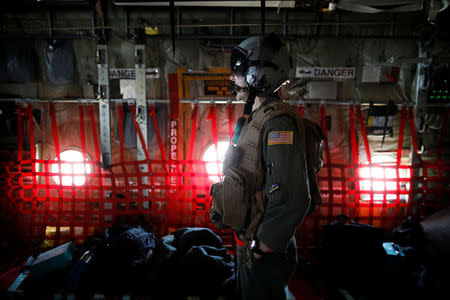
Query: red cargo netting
[[68, 195]]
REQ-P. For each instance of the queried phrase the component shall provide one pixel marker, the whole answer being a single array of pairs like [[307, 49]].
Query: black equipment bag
[[351, 252], [340, 236]]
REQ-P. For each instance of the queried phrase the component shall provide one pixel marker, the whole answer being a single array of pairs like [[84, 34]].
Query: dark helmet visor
[[238, 61]]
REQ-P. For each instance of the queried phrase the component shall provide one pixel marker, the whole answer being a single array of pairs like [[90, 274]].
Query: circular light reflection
[[72, 173], [374, 178], [215, 159]]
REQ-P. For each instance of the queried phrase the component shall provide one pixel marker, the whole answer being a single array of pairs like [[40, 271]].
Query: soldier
[[265, 193]]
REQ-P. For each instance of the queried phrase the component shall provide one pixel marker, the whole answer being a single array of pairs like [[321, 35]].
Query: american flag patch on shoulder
[[280, 137]]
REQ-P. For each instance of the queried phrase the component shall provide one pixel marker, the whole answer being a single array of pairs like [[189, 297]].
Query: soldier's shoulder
[[282, 121]]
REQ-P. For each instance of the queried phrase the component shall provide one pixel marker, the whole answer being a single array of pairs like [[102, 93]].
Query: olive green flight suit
[[287, 202]]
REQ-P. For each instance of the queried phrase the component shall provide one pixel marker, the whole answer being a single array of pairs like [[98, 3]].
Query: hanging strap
[[139, 132], [152, 114], [354, 146], [412, 130], [56, 142], [212, 117], [19, 132], [94, 132], [300, 109], [230, 119], [58, 157], [193, 132], [442, 136], [97, 154], [86, 187], [82, 135], [364, 133], [328, 158], [29, 113], [55, 131], [439, 162], [122, 152], [144, 148], [121, 146], [354, 149], [19, 154], [401, 133]]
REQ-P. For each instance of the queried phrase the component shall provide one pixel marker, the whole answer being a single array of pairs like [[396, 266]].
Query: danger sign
[[131, 73], [319, 72]]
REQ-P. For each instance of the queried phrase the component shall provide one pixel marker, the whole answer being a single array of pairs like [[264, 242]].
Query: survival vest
[[238, 200]]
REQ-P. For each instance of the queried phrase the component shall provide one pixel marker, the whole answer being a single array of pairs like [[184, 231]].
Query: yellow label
[[281, 138], [151, 30]]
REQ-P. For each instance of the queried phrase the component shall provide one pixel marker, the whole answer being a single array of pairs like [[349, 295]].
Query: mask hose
[[249, 103]]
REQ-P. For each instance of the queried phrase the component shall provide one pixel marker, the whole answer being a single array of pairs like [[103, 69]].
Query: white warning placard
[[322, 72], [131, 73]]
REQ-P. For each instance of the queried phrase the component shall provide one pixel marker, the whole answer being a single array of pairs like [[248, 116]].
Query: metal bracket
[[103, 97], [141, 109]]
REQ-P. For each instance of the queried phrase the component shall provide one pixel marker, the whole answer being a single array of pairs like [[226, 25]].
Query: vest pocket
[[235, 204], [216, 209]]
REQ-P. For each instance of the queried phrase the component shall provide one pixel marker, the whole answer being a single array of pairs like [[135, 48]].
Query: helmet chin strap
[[249, 102]]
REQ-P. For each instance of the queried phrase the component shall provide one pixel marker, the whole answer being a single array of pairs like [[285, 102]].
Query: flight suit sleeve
[[286, 183]]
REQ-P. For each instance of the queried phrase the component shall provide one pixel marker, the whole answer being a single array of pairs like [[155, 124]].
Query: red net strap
[[354, 146], [55, 131], [144, 147], [152, 114], [19, 153], [97, 153], [412, 128], [212, 117], [191, 168], [442, 136], [323, 120], [401, 133], [82, 134], [94, 132], [193, 132], [19, 162], [139, 132], [439, 155], [364, 134], [58, 157], [230, 119], [83, 151], [354, 149], [122, 150], [300, 109], [369, 160], [19, 132], [362, 126], [29, 113]]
